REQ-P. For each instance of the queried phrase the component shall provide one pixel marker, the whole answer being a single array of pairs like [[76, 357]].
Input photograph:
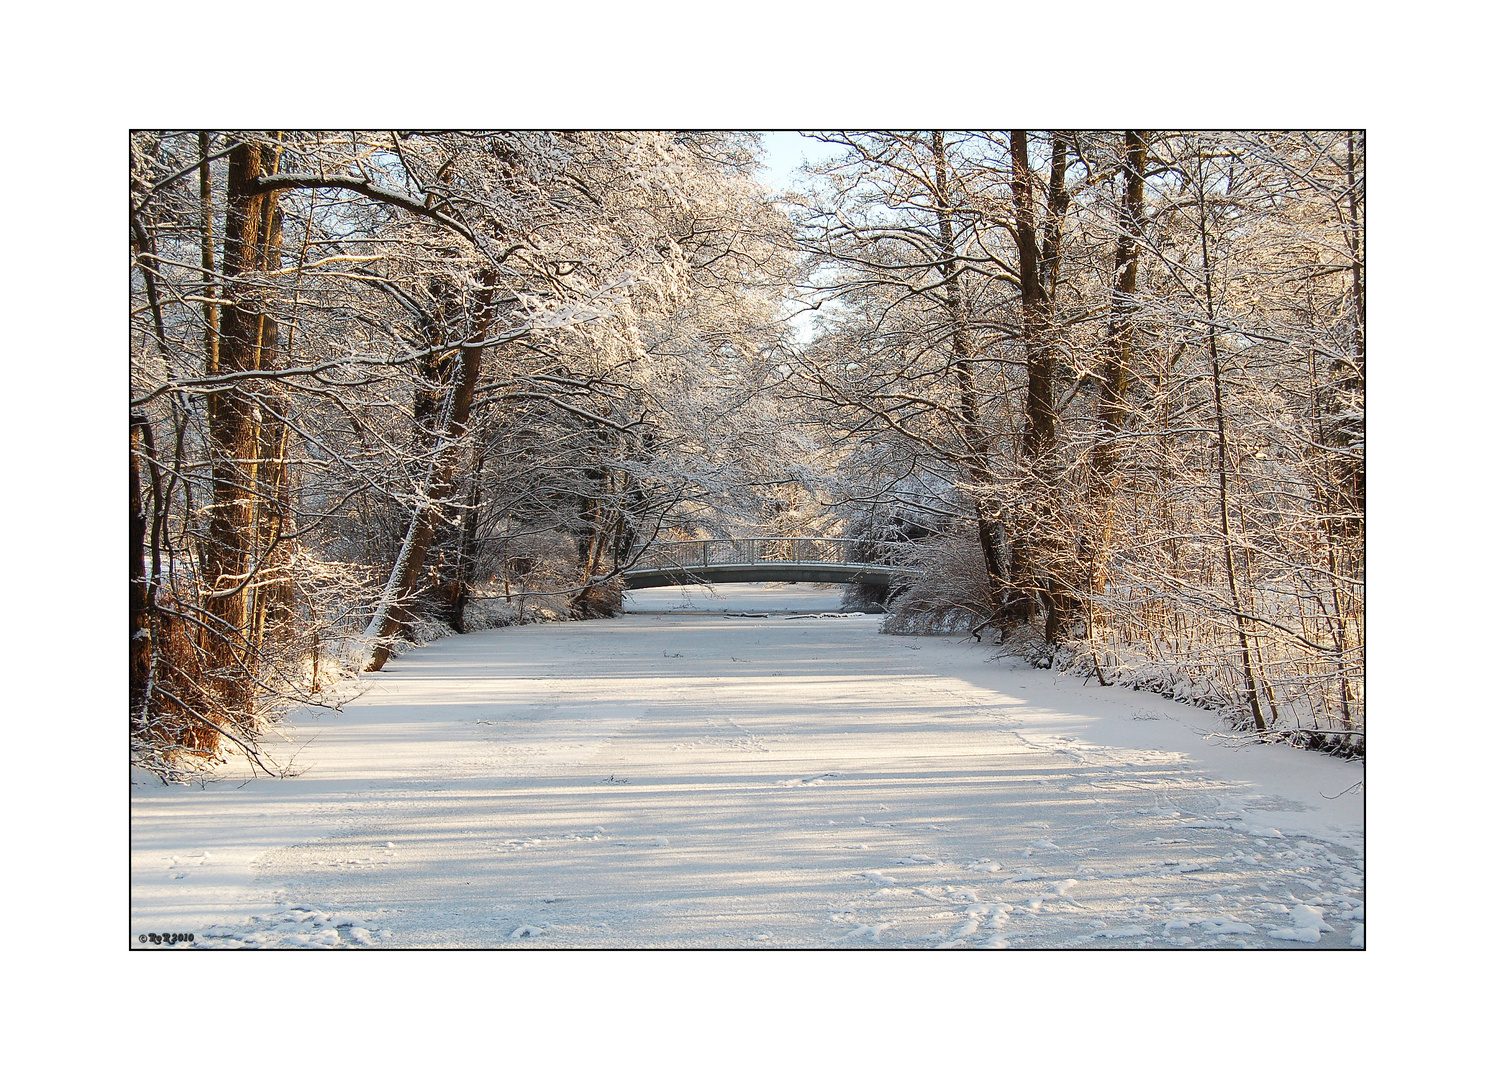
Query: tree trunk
[[1351, 472], [467, 548], [390, 614], [271, 596], [140, 633], [1252, 698], [1116, 356], [209, 276], [233, 419], [1038, 274], [975, 446], [601, 600], [1038, 271]]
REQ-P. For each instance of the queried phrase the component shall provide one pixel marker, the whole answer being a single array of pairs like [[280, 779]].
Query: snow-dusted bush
[[942, 599], [179, 730], [871, 599], [497, 613]]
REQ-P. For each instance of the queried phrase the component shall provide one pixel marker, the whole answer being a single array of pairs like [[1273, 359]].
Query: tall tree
[[390, 612], [1115, 374], [1039, 577], [251, 250]]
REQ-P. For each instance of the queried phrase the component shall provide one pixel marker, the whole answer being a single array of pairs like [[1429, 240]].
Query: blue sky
[[785, 151]]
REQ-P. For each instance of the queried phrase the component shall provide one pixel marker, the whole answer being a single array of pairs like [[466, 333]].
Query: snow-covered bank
[[699, 780]]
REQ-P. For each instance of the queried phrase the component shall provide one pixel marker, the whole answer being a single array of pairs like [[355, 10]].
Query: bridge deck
[[774, 558]]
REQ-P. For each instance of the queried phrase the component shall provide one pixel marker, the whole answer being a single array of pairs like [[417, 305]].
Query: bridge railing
[[678, 554]]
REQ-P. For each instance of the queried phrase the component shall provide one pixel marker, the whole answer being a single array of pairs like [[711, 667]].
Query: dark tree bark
[[140, 635], [467, 549], [1351, 377], [599, 514], [1034, 574], [1038, 272]]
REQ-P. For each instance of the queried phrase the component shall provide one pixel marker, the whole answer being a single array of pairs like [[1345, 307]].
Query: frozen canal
[[699, 779]]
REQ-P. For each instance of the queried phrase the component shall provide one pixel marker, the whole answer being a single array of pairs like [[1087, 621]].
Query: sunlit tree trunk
[[1116, 355], [271, 596], [233, 422]]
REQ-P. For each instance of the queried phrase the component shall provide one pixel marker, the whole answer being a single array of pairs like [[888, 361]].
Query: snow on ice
[[677, 778]]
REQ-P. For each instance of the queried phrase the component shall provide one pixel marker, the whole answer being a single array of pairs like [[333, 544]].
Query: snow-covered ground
[[751, 599], [705, 779]]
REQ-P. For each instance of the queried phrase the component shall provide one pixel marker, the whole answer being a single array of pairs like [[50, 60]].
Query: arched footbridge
[[773, 558]]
